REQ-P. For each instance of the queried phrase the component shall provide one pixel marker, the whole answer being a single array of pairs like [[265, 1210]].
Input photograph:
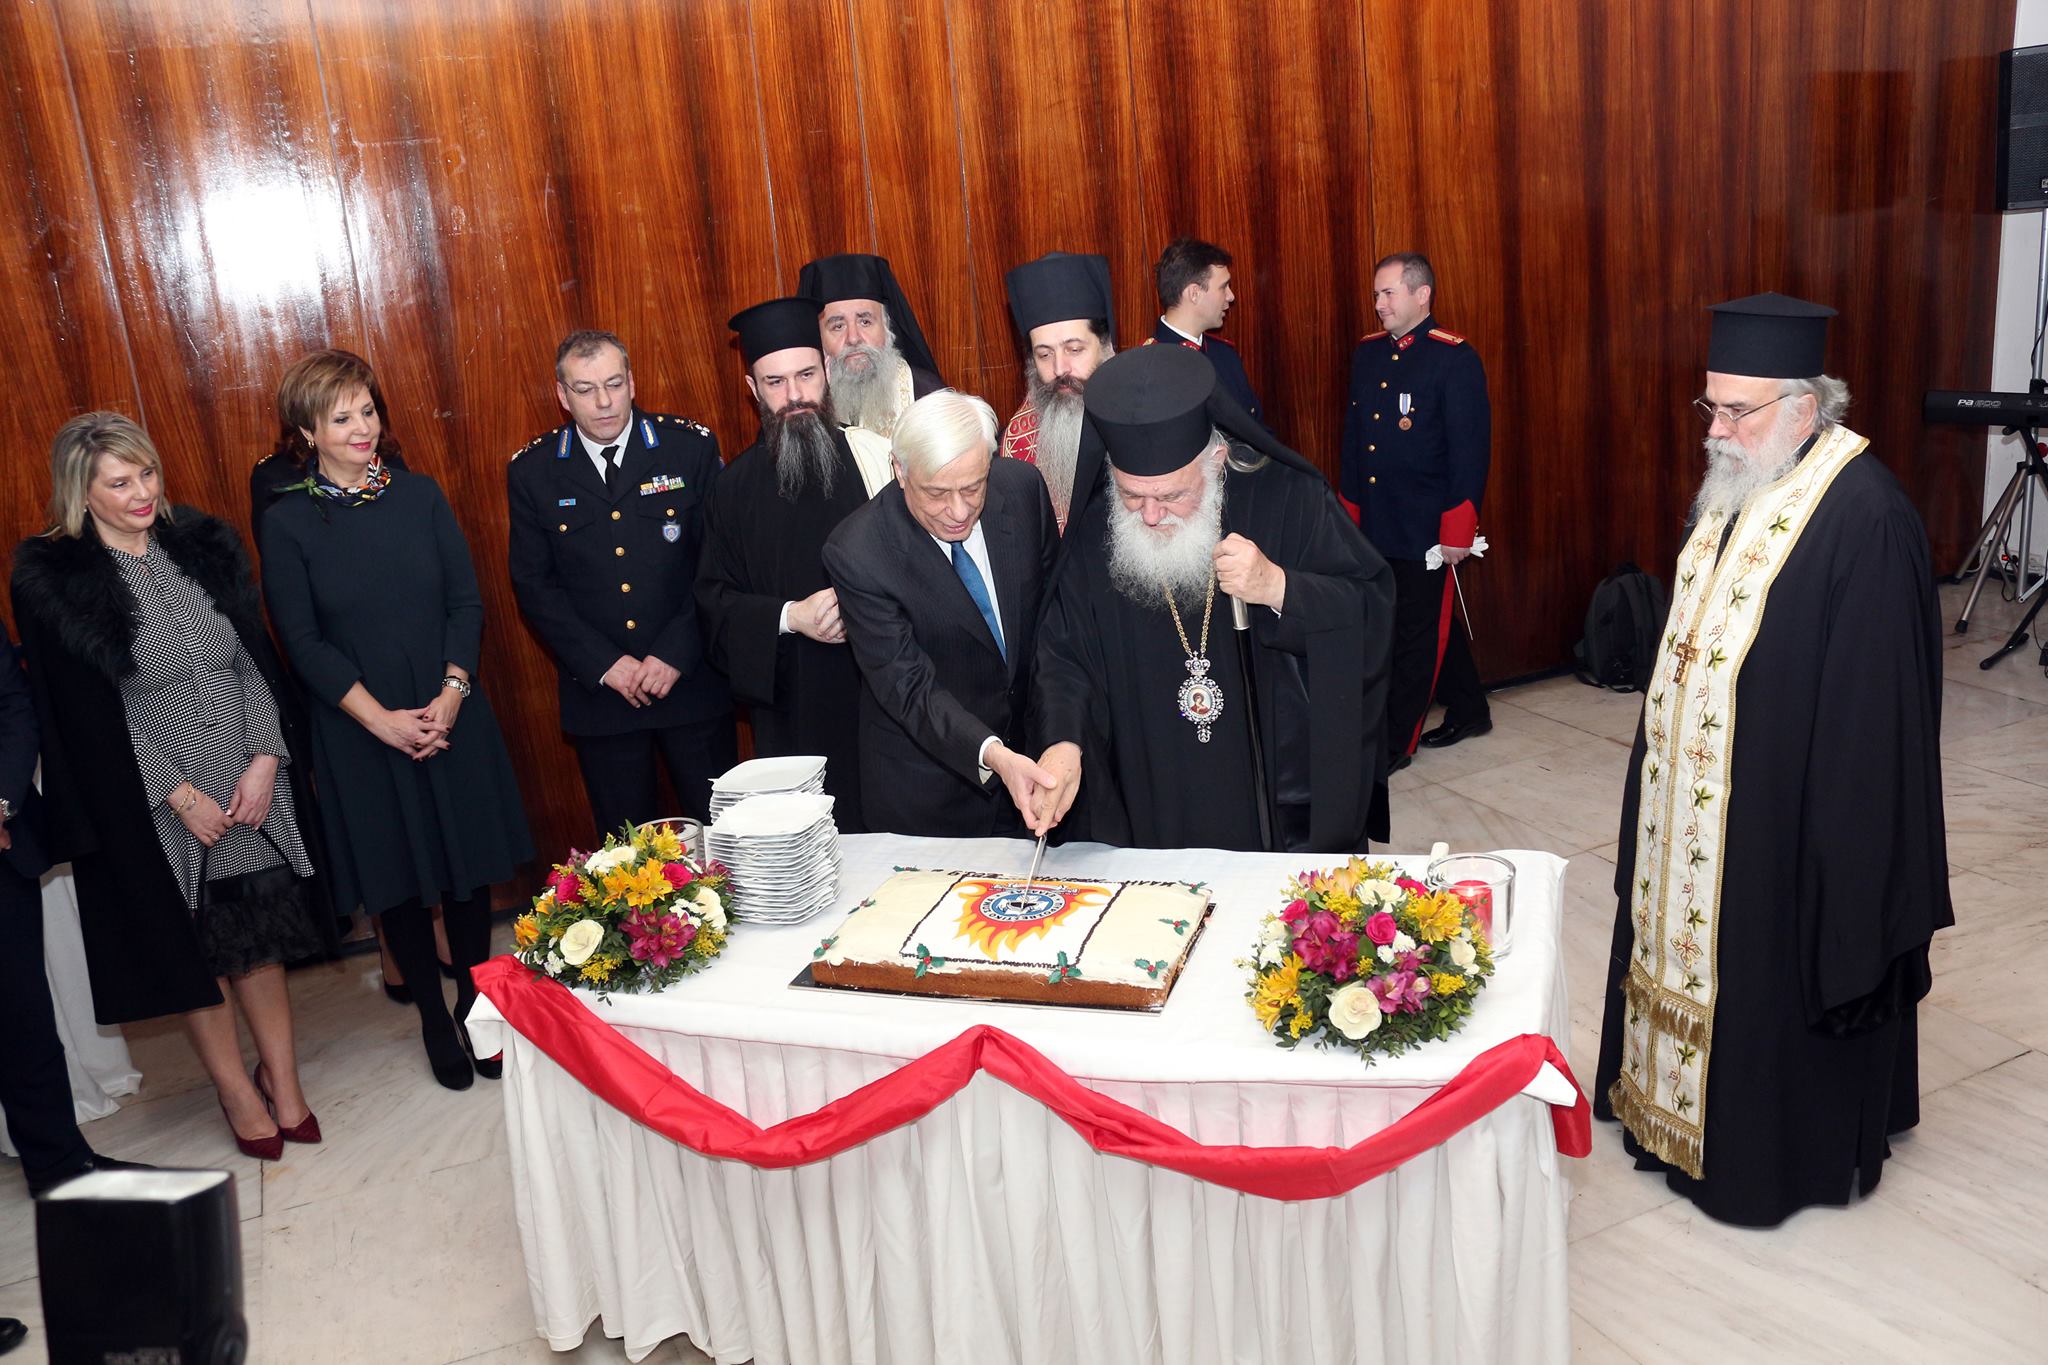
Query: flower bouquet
[[1366, 959], [636, 915]]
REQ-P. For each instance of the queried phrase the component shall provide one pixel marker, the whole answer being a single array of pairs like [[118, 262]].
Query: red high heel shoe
[[263, 1148], [306, 1129]]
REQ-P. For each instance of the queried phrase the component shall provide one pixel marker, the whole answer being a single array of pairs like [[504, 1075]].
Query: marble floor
[[393, 1242]]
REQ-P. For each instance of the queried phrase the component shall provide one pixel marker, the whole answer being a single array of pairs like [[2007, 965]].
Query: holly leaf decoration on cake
[[1151, 969], [1179, 926], [1064, 971], [925, 960], [824, 946]]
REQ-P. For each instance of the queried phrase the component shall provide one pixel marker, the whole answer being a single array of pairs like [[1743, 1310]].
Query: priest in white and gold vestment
[[1782, 864]]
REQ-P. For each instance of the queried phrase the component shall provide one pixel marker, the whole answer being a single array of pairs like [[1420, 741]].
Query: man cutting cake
[[1782, 863], [1142, 697]]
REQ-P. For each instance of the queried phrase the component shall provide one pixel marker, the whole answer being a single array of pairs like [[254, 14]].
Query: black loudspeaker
[[142, 1266], [2023, 128]]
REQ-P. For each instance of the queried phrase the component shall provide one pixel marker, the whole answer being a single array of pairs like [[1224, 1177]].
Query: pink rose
[[1295, 910], [1381, 928], [678, 875], [565, 887]]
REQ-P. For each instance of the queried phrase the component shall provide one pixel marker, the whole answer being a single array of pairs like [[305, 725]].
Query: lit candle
[[1478, 897]]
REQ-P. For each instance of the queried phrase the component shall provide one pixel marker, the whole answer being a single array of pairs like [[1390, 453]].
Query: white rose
[[705, 900], [580, 940], [1377, 892], [604, 860], [1463, 954], [1402, 943], [1354, 1010]]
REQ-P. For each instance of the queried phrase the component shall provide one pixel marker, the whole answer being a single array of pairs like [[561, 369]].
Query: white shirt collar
[[1190, 336]]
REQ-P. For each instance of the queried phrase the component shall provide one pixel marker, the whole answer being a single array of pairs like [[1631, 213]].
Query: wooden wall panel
[[203, 121], [57, 310], [1247, 133], [1048, 133], [208, 188]]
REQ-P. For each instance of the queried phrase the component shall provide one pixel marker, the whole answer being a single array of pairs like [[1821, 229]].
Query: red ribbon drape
[[637, 1085]]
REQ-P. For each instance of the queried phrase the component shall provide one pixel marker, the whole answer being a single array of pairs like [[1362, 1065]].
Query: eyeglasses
[[1709, 412]]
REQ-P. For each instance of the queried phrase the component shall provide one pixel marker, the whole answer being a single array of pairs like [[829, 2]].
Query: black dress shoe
[[1451, 731], [491, 1068], [13, 1331], [43, 1184]]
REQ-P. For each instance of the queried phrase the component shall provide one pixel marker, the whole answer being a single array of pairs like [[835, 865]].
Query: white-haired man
[[876, 356], [1782, 864], [1135, 630], [940, 579]]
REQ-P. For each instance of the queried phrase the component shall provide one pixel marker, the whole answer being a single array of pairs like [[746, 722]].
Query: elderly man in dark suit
[[940, 579]]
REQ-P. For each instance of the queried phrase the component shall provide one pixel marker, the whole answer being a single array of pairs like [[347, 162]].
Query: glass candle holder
[[1486, 882]]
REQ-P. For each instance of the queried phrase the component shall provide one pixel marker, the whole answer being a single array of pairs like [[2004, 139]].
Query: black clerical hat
[[857, 275], [1769, 336], [777, 325], [1156, 405], [1060, 286]]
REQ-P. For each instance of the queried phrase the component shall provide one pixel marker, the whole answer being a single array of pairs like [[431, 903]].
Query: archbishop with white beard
[[1140, 697]]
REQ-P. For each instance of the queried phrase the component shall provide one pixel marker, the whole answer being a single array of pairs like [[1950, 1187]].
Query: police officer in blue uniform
[[606, 528], [1418, 437], [1193, 279]]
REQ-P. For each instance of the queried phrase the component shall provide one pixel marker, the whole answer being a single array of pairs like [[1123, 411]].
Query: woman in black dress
[[372, 591], [168, 768]]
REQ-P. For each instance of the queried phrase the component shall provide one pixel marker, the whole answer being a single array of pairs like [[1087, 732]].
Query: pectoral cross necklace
[[1201, 700]]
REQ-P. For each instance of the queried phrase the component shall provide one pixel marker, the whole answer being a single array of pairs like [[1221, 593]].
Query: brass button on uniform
[[620, 551], [1370, 449], [1372, 478], [625, 587], [1383, 383], [616, 516], [1375, 417], [563, 527], [631, 624], [668, 511]]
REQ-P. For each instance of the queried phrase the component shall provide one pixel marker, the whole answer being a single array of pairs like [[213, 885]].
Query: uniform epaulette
[[1448, 338], [1372, 336], [531, 444], [1211, 336], [667, 417]]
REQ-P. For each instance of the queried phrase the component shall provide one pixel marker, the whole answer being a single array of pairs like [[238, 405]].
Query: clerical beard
[[863, 381], [1061, 409], [1142, 560], [799, 441], [1734, 475]]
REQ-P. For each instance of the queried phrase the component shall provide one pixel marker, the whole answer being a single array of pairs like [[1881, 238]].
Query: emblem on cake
[[979, 935]]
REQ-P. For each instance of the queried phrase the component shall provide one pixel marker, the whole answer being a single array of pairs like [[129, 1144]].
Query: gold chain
[[1181, 630]]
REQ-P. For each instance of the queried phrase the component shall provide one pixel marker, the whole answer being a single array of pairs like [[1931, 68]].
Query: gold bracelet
[[190, 802]]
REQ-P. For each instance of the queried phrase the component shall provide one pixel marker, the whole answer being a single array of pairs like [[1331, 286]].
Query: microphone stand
[[1241, 624]]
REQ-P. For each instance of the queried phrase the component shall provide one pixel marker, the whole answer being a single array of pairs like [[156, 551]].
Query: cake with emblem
[[1054, 942]]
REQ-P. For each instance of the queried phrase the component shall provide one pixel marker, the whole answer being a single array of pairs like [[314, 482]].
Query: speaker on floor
[[2023, 128], [142, 1266]]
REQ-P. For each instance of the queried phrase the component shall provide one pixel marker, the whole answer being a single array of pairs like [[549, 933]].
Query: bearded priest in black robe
[[771, 620], [1141, 695], [1782, 862]]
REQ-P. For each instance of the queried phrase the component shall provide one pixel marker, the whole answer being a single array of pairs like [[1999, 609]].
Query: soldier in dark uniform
[[1193, 279], [606, 529], [1417, 441]]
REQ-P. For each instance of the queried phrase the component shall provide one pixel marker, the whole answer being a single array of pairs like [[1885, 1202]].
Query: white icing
[[916, 908]]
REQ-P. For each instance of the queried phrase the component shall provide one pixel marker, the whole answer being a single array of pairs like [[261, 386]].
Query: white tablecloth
[[989, 1231]]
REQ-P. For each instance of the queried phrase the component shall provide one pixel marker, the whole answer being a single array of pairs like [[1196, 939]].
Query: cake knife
[[1036, 858]]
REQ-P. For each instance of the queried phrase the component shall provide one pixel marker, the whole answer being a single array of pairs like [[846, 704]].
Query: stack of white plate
[[761, 776], [783, 852]]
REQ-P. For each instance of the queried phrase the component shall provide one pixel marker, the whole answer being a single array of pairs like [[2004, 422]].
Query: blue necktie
[[963, 564]]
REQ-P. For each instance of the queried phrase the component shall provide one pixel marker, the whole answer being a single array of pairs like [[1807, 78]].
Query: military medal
[[1201, 700], [1407, 406]]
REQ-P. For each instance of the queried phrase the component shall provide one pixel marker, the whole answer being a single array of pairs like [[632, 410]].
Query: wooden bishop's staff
[[1241, 623]]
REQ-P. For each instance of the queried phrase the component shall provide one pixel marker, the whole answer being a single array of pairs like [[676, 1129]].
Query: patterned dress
[[198, 710]]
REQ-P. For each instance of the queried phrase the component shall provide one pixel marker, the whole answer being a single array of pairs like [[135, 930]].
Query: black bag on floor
[[1623, 624]]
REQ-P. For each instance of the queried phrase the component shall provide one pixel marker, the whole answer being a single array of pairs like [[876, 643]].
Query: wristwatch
[[462, 686]]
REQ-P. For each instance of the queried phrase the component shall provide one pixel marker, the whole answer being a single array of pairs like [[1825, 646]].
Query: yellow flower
[[1437, 915], [664, 844], [1446, 983], [1301, 1023], [599, 968], [1342, 904], [526, 931], [1277, 989], [640, 887]]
